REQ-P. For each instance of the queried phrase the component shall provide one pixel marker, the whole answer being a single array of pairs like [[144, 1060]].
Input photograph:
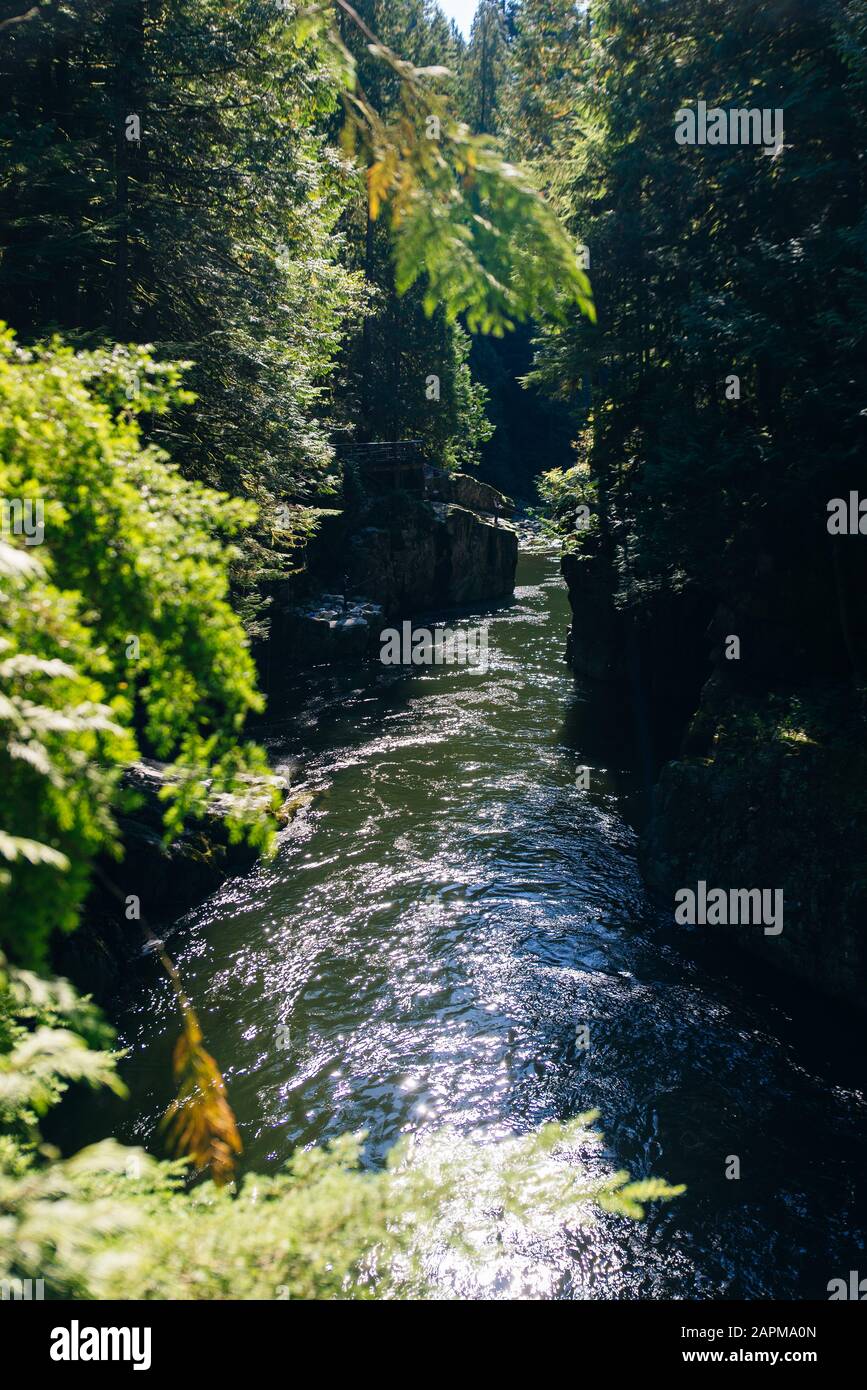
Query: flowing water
[[438, 924]]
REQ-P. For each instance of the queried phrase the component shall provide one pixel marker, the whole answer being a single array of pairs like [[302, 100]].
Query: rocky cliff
[[468, 491], [778, 801], [439, 555], [398, 557], [652, 655], [769, 786]]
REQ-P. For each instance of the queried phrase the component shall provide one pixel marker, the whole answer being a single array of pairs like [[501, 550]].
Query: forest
[[330, 972]]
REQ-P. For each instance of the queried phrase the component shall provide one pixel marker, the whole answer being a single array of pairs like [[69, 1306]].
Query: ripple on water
[[437, 926]]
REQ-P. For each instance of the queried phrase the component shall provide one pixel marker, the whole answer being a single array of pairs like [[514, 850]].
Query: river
[[438, 924]]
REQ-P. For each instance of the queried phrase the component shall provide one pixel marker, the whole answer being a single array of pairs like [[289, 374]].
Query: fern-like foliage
[[130, 551], [473, 225], [49, 1038]]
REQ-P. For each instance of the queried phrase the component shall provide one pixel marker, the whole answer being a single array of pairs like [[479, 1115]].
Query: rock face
[[475, 559], [410, 557], [440, 556], [468, 491], [655, 657], [781, 802], [769, 789], [596, 645]]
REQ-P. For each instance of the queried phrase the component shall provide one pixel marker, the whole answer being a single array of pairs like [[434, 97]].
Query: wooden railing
[[393, 464]]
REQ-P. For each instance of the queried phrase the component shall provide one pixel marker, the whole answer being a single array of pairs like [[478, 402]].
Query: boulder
[[467, 491]]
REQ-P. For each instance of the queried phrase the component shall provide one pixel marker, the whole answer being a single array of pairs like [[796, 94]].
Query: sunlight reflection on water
[[436, 926]]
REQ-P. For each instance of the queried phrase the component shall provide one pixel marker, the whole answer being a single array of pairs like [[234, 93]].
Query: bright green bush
[[116, 636]]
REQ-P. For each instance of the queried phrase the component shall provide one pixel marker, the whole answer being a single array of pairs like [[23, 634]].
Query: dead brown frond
[[199, 1123]]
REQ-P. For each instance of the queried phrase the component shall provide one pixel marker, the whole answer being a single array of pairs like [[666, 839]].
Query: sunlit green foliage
[[571, 511], [115, 632], [49, 1038], [462, 450], [221, 235], [469, 223], [213, 236], [404, 376]]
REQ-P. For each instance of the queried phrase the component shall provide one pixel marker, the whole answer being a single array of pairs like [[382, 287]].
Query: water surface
[[442, 919]]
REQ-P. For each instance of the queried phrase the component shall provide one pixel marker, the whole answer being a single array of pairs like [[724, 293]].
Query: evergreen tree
[[484, 69], [168, 180], [714, 263], [408, 367]]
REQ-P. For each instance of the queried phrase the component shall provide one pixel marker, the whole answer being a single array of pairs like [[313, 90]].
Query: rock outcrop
[[780, 802], [329, 627], [468, 491], [769, 787], [400, 557], [440, 556]]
